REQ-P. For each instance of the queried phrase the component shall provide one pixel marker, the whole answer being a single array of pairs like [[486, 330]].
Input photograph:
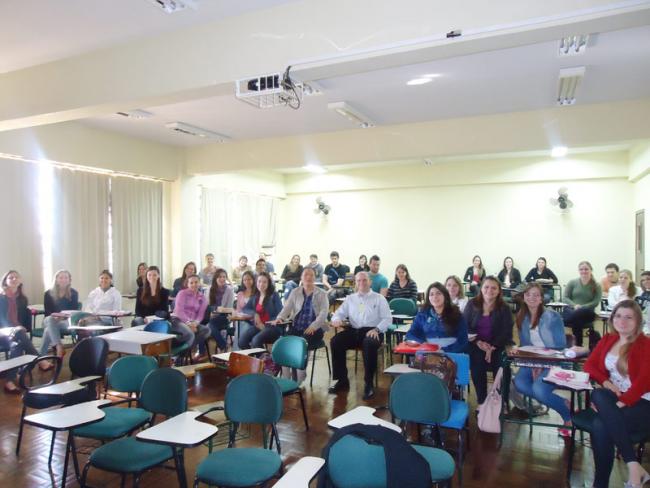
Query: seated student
[[291, 275], [540, 327], [58, 298], [644, 299], [509, 276], [238, 270], [378, 282], [583, 295], [221, 295], [489, 317], [625, 290], [610, 279], [307, 308], [455, 288], [189, 312], [245, 291], [181, 283], [152, 298], [260, 267], [270, 269], [619, 363], [210, 269], [15, 320], [104, 298], [369, 316], [439, 318], [475, 274], [544, 276], [402, 286], [264, 305], [142, 271], [316, 266], [334, 276], [363, 264]]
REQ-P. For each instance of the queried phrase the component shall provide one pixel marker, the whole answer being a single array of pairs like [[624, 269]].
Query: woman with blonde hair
[[61, 296], [625, 290], [291, 275], [582, 295]]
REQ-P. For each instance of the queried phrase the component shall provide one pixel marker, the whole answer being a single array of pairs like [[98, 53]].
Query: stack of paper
[[577, 380]]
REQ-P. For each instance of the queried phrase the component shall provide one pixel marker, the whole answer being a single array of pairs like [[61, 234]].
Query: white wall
[[640, 174], [435, 227]]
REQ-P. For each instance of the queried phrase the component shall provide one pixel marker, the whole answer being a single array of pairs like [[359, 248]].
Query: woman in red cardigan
[[620, 363]]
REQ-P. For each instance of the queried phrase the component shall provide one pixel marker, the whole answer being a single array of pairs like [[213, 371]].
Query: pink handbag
[[490, 410]]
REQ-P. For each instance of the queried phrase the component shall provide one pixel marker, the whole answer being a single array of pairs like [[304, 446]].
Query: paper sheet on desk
[[577, 380], [542, 351]]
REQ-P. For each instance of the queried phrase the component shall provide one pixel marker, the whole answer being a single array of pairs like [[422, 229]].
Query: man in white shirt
[[369, 316]]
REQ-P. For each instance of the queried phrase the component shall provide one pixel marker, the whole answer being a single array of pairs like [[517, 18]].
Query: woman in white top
[[625, 290], [455, 288], [104, 298]]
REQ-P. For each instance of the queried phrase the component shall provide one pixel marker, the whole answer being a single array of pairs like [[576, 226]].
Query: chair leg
[[84, 475], [304, 410], [123, 480], [459, 458], [639, 451], [75, 460], [313, 368], [49, 458], [356, 360], [274, 432], [572, 441], [327, 355], [20, 429], [196, 482]]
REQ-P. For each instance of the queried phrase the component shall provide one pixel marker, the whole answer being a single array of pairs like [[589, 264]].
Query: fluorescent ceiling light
[[352, 114], [559, 151], [422, 80], [136, 114], [173, 6], [573, 45], [315, 168], [195, 131], [568, 83]]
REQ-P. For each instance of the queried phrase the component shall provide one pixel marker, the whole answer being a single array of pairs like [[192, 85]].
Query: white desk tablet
[[69, 417], [400, 368], [361, 415], [403, 329], [301, 473], [66, 387], [16, 362], [182, 430], [225, 356], [130, 341]]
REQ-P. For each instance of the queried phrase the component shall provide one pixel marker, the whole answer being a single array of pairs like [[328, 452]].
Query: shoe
[[12, 390], [45, 365], [200, 358], [340, 385], [368, 392]]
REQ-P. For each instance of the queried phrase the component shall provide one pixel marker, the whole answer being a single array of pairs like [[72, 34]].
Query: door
[[639, 252]]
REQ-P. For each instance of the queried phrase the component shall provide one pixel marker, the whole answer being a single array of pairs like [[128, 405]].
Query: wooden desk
[[301, 473], [69, 418], [179, 432], [14, 363], [133, 341], [361, 415]]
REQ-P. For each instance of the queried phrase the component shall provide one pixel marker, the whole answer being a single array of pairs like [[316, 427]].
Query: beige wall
[[426, 218], [640, 174]]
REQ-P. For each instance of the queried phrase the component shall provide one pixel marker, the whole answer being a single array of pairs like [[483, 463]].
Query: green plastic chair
[[291, 352], [399, 306], [182, 351], [423, 398], [353, 463], [251, 399], [163, 392]]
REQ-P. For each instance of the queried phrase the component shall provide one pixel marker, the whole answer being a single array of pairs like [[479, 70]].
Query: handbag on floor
[[490, 410]]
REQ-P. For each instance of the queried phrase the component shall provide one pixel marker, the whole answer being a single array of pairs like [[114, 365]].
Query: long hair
[[147, 294], [405, 269], [524, 310], [55, 291], [214, 286], [508, 273], [624, 350], [631, 287], [186, 276], [450, 313], [592, 282], [252, 277], [478, 299], [19, 291], [293, 267], [270, 289], [461, 291], [480, 265]]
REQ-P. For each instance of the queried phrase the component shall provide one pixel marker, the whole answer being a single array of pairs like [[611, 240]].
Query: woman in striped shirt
[[403, 286]]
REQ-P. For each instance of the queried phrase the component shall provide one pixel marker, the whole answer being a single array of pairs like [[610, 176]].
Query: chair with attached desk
[[252, 399], [291, 352], [163, 392], [399, 306], [88, 358], [181, 351]]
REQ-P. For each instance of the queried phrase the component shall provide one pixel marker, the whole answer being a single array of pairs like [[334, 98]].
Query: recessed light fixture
[[315, 168], [191, 130], [559, 151], [422, 80], [173, 6], [352, 114], [136, 114], [568, 83]]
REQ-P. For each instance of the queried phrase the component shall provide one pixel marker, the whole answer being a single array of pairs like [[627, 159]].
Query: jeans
[[611, 428], [289, 286], [350, 338], [218, 325], [187, 336], [54, 329], [541, 391], [20, 344], [254, 337]]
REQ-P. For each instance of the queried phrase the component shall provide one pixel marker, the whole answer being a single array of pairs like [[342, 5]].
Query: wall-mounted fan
[[321, 206], [562, 201]]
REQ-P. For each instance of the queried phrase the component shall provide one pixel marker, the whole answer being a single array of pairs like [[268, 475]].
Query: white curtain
[[235, 224], [20, 246], [80, 226], [137, 228]]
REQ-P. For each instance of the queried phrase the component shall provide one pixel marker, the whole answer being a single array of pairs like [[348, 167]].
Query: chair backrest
[[462, 367], [290, 351], [160, 326], [164, 391], [239, 364], [353, 463], [88, 358], [253, 399], [419, 397], [127, 373], [403, 306]]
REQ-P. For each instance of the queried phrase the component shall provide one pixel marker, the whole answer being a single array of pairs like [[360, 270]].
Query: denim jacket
[[551, 330]]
